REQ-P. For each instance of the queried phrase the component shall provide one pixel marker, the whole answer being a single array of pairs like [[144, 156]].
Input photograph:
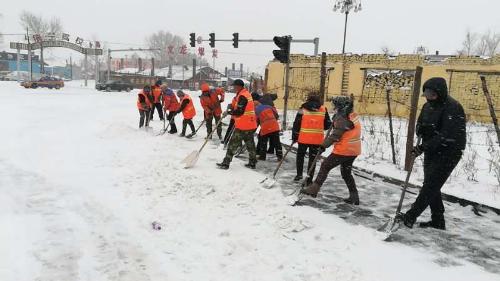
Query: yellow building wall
[[461, 74]]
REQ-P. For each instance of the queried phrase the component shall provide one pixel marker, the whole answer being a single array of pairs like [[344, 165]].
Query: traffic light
[[283, 54], [212, 40], [192, 39], [236, 39]]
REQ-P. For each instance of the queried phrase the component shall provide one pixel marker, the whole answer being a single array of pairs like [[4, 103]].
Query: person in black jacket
[[441, 125], [313, 104]]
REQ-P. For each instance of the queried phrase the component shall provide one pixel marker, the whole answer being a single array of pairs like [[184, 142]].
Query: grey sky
[[399, 24]]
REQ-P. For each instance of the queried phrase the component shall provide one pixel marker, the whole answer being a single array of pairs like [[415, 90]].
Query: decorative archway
[[55, 43]]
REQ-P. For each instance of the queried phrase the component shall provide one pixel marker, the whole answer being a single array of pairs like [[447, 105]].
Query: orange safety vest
[[312, 126], [350, 142], [188, 112], [247, 121], [156, 90], [268, 122], [146, 100]]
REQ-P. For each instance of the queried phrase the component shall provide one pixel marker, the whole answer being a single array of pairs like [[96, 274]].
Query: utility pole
[[30, 61], [345, 6]]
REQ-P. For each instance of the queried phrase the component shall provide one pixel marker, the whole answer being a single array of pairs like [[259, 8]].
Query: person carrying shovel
[[188, 111]]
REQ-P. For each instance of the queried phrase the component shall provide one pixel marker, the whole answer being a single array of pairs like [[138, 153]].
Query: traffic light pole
[[314, 41], [285, 106]]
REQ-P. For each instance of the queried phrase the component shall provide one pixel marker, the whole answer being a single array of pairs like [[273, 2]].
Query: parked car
[[3, 76], [114, 85], [44, 82]]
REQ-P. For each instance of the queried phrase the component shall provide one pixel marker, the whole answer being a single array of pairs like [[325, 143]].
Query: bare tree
[[38, 25], [162, 40], [387, 51], [468, 44], [482, 45], [492, 44]]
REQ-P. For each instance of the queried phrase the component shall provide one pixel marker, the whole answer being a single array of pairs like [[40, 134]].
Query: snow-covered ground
[[81, 184]]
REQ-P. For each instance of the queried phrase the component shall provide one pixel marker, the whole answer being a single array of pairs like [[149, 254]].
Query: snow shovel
[[392, 225], [168, 125], [267, 182], [197, 129], [191, 159], [297, 191]]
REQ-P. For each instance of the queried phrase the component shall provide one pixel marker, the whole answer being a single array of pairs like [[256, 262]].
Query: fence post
[[389, 111], [490, 105], [322, 91], [413, 116]]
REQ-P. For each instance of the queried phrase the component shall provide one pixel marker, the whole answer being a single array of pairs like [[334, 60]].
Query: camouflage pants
[[237, 138]]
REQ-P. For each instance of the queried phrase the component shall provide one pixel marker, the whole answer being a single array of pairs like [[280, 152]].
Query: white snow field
[[81, 184]]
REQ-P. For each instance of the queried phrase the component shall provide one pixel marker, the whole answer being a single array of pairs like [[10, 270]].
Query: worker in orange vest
[[144, 105], [245, 124], [267, 118], [311, 121], [157, 99], [210, 102], [346, 140], [170, 104], [188, 111]]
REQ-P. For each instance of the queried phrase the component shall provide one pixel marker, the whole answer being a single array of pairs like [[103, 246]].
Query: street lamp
[[345, 6]]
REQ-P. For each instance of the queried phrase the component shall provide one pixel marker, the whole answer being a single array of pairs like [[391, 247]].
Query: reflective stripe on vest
[[312, 126], [189, 111], [247, 121], [350, 142]]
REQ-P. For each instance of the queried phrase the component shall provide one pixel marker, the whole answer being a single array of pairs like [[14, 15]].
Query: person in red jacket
[[188, 111], [170, 104], [210, 102], [144, 105], [157, 98]]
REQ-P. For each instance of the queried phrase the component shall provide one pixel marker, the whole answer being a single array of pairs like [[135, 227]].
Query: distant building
[[8, 62]]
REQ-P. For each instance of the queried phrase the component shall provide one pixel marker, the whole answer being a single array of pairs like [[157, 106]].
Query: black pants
[[275, 142], [171, 119], [143, 114], [332, 161], [159, 108], [229, 131], [437, 169], [208, 123], [186, 122], [301, 153]]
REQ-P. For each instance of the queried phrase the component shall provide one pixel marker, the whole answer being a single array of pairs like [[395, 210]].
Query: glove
[[321, 149], [417, 150]]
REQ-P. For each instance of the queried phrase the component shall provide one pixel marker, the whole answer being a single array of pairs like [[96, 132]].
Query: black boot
[[405, 219], [437, 222], [224, 165], [297, 178], [250, 165], [353, 197], [311, 190]]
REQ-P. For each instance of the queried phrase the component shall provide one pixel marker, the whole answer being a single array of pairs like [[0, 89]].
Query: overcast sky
[[399, 24]]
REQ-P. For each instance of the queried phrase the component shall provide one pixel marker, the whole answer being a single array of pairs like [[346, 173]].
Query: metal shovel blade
[[191, 159], [268, 183]]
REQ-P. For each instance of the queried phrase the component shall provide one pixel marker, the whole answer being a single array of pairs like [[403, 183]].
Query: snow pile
[[81, 185]]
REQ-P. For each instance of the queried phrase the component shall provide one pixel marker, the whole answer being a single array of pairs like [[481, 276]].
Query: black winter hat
[[238, 82], [158, 82], [343, 104], [438, 85]]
